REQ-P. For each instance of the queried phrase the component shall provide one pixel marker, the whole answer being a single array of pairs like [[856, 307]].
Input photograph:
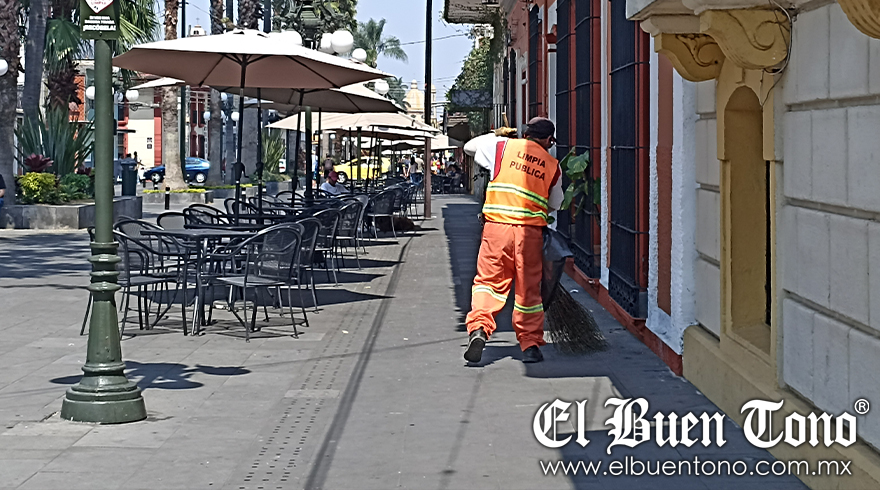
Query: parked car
[[196, 171]]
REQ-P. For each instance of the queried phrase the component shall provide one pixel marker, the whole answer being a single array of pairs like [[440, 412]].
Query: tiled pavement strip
[[374, 395]]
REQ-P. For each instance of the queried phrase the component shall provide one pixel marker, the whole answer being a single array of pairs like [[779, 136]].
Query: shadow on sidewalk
[[165, 376], [32, 256]]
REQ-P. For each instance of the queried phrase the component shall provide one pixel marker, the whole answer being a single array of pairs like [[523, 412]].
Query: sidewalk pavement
[[375, 394]]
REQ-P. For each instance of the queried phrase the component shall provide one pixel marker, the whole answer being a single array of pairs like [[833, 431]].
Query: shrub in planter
[[78, 186], [176, 191], [39, 188]]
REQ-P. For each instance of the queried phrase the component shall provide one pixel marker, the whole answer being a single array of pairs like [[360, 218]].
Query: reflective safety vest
[[520, 186]]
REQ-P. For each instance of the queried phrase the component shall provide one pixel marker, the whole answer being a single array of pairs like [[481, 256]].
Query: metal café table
[[197, 238]]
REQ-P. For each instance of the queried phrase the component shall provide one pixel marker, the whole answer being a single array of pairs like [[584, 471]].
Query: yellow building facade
[[788, 196]]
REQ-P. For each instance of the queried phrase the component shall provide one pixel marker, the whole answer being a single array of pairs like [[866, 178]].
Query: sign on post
[[99, 19]]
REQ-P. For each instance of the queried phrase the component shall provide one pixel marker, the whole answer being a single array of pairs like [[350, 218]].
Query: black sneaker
[[532, 354], [476, 342]]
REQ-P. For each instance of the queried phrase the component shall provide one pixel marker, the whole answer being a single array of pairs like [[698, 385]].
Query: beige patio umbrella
[[245, 58], [349, 99]]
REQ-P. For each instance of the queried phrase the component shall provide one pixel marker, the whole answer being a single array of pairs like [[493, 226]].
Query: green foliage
[[54, 136], [274, 150], [273, 177], [37, 163], [78, 186], [476, 74], [332, 14], [39, 188], [577, 168], [369, 36]]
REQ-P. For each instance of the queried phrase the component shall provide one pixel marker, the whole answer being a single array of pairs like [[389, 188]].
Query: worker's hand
[[482, 219], [506, 132]]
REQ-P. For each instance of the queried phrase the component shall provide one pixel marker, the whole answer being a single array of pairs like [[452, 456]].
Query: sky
[[405, 19]]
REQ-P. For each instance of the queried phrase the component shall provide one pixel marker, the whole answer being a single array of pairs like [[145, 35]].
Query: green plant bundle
[[274, 149], [577, 169], [176, 191], [66, 143], [78, 186], [273, 177], [39, 188]]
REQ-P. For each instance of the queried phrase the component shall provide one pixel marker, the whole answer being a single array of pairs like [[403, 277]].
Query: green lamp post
[[104, 395]]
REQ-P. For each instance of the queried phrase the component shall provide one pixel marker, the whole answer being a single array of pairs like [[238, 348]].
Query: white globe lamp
[[381, 87], [206, 115], [4, 67], [235, 116], [326, 43], [359, 55], [342, 41], [132, 95], [90, 92]]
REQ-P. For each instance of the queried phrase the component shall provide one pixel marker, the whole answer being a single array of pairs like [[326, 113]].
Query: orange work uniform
[[516, 211]]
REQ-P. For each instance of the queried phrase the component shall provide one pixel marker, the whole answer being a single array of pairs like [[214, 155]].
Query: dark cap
[[540, 128]]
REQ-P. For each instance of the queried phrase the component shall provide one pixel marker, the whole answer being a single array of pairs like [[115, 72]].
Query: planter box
[[222, 194], [65, 216], [273, 188], [181, 198]]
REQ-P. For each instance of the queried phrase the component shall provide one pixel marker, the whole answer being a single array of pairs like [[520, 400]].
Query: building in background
[[415, 99], [735, 228]]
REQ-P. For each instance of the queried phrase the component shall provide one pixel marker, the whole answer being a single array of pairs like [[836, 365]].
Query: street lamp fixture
[[235, 116], [4, 67], [326, 45], [359, 54], [381, 87], [90, 92], [132, 95], [342, 41]]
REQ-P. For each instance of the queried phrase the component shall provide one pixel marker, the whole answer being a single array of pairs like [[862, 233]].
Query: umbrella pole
[[359, 153], [296, 152], [260, 155], [320, 137], [238, 168], [311, 173]]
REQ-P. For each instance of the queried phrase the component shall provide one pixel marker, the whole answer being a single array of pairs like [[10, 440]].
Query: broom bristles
[[572, 327]]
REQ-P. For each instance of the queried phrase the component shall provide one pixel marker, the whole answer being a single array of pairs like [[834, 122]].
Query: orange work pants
[[507, 253]]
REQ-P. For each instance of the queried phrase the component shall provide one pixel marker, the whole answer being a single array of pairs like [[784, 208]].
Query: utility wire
[[435, 39]]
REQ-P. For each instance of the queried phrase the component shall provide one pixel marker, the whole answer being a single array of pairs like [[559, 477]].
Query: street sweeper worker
[[524, 187]]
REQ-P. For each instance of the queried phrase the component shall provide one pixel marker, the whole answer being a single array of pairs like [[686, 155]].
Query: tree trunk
[[9, 49], [215, 150], [215, 124], [34, 49], [174, 177], [229, 143]]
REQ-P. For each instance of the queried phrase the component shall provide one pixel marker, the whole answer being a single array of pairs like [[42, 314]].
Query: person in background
[[2, 191], [140, 169], [332, 185], [414, 171], [328, 166]]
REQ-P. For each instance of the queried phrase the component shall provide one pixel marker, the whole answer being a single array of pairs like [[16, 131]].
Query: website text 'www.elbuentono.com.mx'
[[631, 466]]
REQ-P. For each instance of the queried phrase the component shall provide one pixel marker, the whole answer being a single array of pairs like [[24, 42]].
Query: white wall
[[829, 233], [707, 256]]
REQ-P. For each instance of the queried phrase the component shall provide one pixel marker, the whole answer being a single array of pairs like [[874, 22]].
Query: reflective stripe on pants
[[509, 253]]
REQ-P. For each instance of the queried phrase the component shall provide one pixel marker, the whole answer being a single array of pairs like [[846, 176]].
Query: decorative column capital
[[864, 14], [696, 57], [753, 39]]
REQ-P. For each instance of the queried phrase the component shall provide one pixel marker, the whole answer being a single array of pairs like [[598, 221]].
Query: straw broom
[[572, 327]]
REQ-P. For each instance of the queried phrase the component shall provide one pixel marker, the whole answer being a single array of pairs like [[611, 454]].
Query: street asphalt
[[373, 395]]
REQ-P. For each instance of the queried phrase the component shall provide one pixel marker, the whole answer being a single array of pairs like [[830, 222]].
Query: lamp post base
[[103, 406]]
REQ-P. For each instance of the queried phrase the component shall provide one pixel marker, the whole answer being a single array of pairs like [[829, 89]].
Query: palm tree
[[10, 42], [249, 13], [34, 50], [170, 133], [369, 37], [215, 124]]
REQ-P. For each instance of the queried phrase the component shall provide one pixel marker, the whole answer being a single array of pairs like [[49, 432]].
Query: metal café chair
[[350, 217], [326, 244], [382, 206], [311, 228], [171, 220], [270, 259]]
